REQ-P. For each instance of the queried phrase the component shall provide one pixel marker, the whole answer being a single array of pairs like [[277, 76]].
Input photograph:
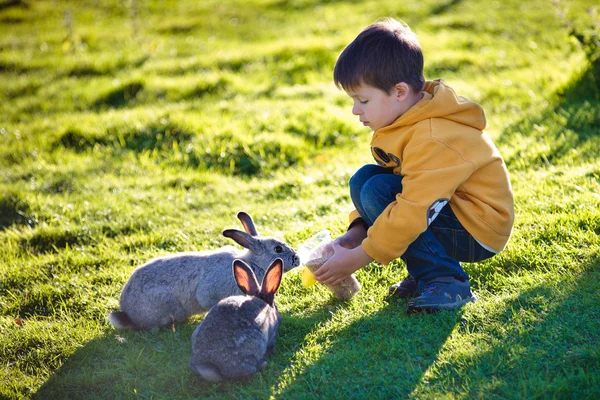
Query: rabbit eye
[[278, 249]]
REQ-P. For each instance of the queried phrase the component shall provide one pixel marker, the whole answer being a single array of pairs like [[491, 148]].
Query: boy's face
[[376, 108]]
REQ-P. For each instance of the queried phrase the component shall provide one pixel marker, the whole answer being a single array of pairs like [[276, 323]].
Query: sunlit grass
[[135, 129]]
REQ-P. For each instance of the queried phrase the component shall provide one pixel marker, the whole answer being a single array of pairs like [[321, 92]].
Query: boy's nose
[[356, 110]]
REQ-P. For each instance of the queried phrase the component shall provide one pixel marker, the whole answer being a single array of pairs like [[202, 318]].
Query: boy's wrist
[[353, 237], [361, 256]]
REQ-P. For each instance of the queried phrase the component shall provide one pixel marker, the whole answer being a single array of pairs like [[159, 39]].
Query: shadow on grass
[[13, 209], [543, 343], [126, 364], [12, 3], [122, 96], [383, 355], [121, 365]]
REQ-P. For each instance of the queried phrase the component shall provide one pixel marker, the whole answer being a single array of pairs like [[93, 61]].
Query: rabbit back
[[164, 289], [172, 288], [234, 338]]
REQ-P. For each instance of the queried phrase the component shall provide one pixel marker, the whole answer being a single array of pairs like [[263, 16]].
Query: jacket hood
[[440, 101]]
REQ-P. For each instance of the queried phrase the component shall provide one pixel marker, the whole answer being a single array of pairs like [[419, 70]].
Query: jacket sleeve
[[432, 171]]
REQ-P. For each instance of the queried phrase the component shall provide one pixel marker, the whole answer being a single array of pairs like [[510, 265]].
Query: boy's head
[[382, 55]]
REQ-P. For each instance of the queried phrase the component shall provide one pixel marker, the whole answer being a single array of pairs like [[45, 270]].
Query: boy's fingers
[[320, 271], [336, 282], [327, 277]]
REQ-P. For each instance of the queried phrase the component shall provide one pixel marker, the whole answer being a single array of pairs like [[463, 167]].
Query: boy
[[440, 192]]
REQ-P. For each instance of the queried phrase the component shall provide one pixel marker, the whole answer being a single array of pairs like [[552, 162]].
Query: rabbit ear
[[245, 279], [248, 223], [242, 238], [271, 281]]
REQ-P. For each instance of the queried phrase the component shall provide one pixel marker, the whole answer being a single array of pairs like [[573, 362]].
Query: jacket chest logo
[[384, 159]]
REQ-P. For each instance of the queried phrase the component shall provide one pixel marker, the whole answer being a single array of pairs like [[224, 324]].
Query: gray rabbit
[[173, 288], [237, 334]]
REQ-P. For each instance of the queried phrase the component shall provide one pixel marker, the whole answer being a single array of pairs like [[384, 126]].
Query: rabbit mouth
[[296, 261]]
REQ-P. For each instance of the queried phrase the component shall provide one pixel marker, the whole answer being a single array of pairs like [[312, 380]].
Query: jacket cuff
[[368, 247], [360, 221]]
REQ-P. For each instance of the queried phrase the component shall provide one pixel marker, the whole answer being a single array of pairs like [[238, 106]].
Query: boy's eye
[[363, 101]]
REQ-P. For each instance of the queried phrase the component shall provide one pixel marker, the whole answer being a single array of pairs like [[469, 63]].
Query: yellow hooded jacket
[[439, 148]]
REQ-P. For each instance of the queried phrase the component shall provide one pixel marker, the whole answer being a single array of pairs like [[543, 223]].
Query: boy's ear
[[401, 90]]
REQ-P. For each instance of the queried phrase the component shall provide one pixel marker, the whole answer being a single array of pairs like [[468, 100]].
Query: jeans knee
[[363, 174], [377, 193]]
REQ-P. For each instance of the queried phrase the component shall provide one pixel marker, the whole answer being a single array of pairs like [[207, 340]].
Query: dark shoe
[[405, 289], [445, 293]]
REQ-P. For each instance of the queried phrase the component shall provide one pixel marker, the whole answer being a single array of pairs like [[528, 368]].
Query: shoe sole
[[434, 308]]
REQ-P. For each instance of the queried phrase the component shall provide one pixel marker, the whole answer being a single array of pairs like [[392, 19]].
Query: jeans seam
[[439, 229], [454, 244], [472, 249]]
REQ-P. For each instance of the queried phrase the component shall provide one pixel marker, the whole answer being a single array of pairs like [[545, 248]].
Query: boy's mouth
[[365, 123]]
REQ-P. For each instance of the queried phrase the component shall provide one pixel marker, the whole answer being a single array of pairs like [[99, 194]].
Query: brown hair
[[382, 55]]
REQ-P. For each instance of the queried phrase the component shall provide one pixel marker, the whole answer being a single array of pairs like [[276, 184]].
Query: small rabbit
[[173, 288], [237, 334]]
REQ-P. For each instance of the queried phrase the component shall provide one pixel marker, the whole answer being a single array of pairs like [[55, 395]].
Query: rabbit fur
[[237, 334], [172, 288]]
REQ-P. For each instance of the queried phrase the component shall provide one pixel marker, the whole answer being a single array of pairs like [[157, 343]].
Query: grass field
[[131, 129]]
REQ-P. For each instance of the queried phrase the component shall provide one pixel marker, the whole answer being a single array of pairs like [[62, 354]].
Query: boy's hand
[[342, 264]]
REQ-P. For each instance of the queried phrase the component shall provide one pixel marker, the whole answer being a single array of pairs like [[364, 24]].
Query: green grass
[[134, 129]]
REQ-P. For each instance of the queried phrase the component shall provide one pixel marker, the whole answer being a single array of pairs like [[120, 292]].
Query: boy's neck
[[410, 101]]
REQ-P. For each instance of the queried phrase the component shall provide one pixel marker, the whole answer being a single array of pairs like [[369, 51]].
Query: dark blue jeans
[[438, 250]]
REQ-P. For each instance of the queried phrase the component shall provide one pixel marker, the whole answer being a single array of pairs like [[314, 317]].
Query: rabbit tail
[[207, 371], [121, 320]]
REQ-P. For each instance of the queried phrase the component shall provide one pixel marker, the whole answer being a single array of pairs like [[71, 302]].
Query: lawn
[[132, 129]]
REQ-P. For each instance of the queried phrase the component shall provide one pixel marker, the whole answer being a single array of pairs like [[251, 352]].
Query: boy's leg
[[358, 181], [457, 241], [434, 259], [434, 256], [357, 231], [427, 259]]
